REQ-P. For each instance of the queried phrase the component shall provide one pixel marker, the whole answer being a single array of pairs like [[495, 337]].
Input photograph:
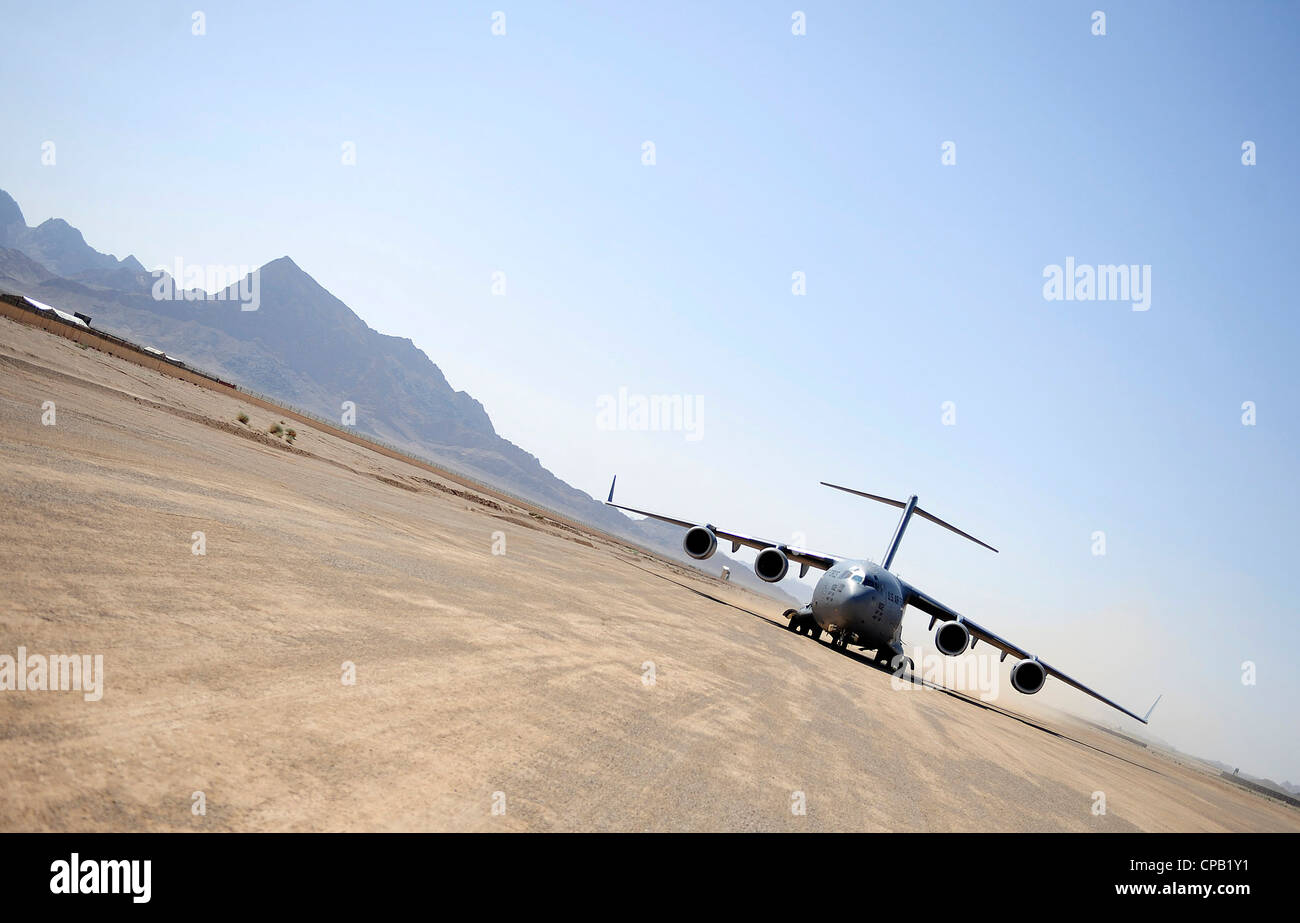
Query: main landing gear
[[803, 624], [892, 660]]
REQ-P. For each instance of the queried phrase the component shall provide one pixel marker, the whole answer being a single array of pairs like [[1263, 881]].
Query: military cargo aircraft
[[860, 603]]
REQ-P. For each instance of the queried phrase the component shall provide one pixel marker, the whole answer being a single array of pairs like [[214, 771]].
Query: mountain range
[[306, 348]]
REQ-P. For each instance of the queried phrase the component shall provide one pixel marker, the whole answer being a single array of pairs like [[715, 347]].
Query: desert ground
[[519, 679]]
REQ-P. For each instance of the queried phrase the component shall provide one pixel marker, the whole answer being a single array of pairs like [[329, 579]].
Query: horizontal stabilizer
[[951, 528], [909, 507]]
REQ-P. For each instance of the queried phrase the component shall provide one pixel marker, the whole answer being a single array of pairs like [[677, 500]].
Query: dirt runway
[[573, 680]]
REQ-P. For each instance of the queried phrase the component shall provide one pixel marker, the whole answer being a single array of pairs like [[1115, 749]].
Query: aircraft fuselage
[[862, 598]]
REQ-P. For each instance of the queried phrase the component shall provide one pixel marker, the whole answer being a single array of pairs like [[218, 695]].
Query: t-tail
[[909, 507]]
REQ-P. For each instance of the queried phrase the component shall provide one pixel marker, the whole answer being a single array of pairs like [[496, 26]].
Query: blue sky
[[777, 153]]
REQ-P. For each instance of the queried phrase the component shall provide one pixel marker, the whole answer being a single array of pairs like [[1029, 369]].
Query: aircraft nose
[[859, 592]]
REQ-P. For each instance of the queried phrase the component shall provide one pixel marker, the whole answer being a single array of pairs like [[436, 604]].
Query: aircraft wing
[[804, 557], [938, 611]]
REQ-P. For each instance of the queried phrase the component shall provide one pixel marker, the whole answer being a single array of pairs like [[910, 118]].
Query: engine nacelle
[[952, 638], [700, 543], [771, 565], [1028, 676]]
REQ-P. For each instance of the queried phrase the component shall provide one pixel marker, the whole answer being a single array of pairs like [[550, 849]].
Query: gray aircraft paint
[[863, 599]]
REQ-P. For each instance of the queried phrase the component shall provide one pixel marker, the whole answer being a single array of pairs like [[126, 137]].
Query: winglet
[[611, 489], [1152, 708]]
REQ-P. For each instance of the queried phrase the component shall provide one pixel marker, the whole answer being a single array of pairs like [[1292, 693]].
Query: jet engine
[[771, 564], [1028, 676], [952, 638], [700, 543]]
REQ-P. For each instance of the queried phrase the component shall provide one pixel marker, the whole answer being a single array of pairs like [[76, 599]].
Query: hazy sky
[[778, 153]]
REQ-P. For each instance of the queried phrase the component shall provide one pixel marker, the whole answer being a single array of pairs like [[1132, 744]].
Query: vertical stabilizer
[[898, 532]]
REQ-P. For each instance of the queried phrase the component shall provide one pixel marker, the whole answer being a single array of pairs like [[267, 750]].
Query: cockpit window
[[857, 578]]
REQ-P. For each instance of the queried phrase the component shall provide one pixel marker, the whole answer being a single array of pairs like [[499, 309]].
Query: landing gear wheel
[[904, 671], [814, 632]]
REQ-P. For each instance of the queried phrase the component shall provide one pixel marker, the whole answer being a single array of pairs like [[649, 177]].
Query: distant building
[[79, 320]]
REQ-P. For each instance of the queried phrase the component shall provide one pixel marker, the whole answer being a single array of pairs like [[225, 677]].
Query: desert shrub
[[276, 429], [243, 418]]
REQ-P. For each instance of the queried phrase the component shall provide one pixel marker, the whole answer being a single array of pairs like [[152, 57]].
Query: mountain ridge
[[306, 347], [54, 243]]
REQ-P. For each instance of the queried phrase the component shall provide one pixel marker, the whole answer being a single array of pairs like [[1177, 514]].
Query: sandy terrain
[[476, 673]]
